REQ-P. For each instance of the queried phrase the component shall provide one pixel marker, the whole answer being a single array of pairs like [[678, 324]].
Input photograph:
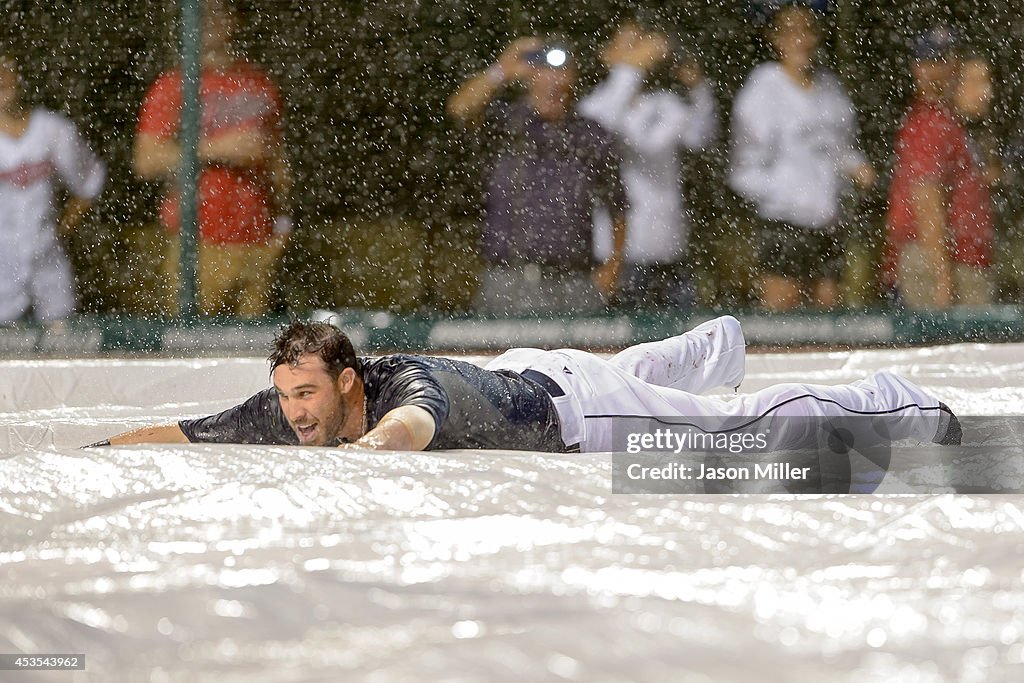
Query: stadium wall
[[381, 331]]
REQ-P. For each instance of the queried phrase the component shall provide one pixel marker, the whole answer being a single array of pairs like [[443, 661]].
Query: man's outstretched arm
[[406, 428], [154, 434]]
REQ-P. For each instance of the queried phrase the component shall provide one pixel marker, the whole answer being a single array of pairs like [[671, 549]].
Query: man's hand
[[470, 101], [863, 176], [606, 276], [512, 60], [632, 47], [156, 158], [72, 216]]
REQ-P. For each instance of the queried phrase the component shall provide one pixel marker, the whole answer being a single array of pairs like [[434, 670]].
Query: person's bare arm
[[406, 428], [243, 148], [155, 158], [470, 101], [929, 208], [606, 276], [170, 433]]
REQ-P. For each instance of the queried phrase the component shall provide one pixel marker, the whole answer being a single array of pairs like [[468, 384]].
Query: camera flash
[[556, 57]]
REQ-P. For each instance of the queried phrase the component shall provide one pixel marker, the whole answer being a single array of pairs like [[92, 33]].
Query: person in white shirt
[[793, 153], [36, 147], [653, 124]]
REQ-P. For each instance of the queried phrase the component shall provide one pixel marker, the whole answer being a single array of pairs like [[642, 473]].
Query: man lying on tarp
[[323, 394]]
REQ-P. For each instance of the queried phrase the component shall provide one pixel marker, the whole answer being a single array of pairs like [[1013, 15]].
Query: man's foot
[[949, 433]]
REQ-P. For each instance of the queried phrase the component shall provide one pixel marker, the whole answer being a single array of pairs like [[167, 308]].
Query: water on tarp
[[244, 563]]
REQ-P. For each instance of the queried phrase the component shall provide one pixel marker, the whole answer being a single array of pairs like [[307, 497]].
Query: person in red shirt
[[939, 224], [243, 182]]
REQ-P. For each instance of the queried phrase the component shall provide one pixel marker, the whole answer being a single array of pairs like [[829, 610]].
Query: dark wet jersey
[[471, 407]]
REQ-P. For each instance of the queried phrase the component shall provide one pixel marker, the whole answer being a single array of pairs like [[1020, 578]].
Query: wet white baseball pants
[[666, 379]]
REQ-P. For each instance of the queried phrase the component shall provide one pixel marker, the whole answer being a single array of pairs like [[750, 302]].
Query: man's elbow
[[462, 111], [416, 426]]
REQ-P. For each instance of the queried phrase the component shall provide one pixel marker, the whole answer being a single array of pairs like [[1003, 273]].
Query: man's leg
[[915, 278], [257, 276], [218, 278], [53, 285], [884, 407], [881, 408], [14, 285], [972, 286], [170, 276], [710, 355]]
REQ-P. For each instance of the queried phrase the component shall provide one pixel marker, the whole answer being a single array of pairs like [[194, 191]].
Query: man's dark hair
[[300, 337]]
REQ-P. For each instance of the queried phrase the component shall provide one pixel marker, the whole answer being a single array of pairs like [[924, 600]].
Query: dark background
[[386, 190]]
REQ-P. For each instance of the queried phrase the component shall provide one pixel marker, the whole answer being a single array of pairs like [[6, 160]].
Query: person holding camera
[[549, 169], [642, 103]]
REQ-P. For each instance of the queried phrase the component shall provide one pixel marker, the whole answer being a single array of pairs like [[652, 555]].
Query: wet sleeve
[[82, 171], [850, 156], [412, 384], [259, 420], [610, 102]]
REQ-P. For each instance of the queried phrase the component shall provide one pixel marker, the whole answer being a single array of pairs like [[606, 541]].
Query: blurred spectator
[[1008, 206], [639, 103], [550, 168], [972, 100], [793, 151], [939, 221], [36, 147], [243, 181]]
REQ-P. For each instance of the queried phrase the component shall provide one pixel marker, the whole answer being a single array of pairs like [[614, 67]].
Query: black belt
[[540, 378], [554, 391]]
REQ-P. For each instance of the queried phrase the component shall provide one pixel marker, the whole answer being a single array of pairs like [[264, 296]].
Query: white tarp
[[241, 563]]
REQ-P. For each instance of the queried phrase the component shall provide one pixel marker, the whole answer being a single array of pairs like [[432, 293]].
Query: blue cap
[[934, 44]]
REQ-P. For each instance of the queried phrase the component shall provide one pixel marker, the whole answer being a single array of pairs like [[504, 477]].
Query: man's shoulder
[[587, 134], [52, 120], [764, 76], [265, 400], [764, 82], [394, 362]]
